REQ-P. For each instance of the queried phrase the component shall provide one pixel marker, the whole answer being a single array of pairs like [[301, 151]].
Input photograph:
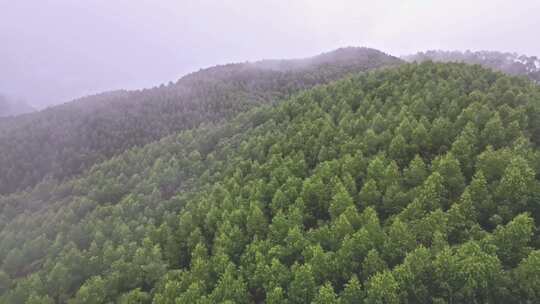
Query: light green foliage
[[92, 292], [353, 292], [326, 295], [276, 296], [135, 296], [468, 273], [515, 187]]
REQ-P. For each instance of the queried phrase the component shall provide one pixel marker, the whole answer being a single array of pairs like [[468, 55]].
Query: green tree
[[35, 299], [527, 277], [321, 262], [493, 133], [416, 172], [515, 187], [400, 240], [195, 293], [399, 150], [465, 148], [429, 198], [382, 288], [326, 295], [135, 296], [372, 264], [512, 240], [353, 292], [461, 218], [230, 288], [59, 282], [276, 296], [440, 135], [340, 201], [449, 169], [302, 288], [415, 276], [369, 194], [468, 274], [150, 263], [420, 138], [92, 292], [481, 198], [256, 222]]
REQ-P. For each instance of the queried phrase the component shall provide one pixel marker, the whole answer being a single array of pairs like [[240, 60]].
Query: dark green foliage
[[329, 197]]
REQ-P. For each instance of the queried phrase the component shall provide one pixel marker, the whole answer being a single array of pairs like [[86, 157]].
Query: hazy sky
[[52, 51]]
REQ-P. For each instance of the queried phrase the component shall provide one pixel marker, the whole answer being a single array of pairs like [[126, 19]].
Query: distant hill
[[67, 139], [11, 107], [510, 63]]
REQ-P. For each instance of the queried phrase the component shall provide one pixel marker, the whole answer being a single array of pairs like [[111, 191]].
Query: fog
[[52, 51]]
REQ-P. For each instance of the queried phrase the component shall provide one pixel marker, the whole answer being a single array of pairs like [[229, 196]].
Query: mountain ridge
[[65, 140]]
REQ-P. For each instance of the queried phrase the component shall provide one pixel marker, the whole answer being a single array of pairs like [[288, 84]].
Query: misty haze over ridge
[[340, 57], [64, 140], [99, 126], [492, 59], [67, 49]]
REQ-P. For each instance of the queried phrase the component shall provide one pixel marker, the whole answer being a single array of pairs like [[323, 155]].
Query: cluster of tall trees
[[510, 63], [65, 140], [417, 184]]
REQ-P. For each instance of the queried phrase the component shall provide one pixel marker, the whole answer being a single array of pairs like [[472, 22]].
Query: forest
[[415, 183], [63, 141]]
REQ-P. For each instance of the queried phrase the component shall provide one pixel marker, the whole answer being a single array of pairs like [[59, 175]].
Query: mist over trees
[[412, 184], [12, 107], [510, 63]]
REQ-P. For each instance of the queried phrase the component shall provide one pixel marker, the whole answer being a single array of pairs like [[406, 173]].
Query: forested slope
[[410, 185], [510, 63], [65, 140]]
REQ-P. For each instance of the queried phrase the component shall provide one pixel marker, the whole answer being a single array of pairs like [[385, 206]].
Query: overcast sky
[[52, 51]]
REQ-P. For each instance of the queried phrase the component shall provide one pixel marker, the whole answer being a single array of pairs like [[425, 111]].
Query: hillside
[[65, 140], [9, 107], [417, 184], [510, 63]]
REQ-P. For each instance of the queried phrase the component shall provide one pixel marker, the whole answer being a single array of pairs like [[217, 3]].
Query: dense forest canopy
[[416, 184], [65, 140], [510, 63]]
